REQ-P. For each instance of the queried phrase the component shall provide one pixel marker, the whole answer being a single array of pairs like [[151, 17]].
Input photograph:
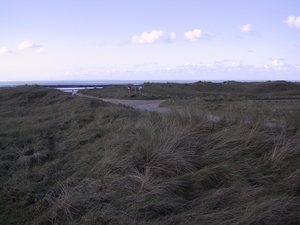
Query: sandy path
[[151, 105]]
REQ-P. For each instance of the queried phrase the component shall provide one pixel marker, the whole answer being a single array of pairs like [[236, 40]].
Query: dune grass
[[208, 91], [71, 160]]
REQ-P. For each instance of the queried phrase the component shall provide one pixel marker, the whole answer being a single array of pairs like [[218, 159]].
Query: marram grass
[[72, 160]]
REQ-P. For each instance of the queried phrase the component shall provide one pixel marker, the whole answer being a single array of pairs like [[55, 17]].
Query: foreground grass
[[70, 160]]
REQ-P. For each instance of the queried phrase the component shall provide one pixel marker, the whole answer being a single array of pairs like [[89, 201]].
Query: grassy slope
[[70, 160], [233, 90]]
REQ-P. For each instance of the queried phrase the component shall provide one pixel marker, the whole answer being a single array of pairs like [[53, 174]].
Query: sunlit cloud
[[28, 44], [245, 28], [293, 22], [154, 36], [149, 38], [4, 50], [193, 35], [277, 63]]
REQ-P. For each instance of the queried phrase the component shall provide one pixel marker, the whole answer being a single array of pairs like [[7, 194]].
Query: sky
[[149, 40]]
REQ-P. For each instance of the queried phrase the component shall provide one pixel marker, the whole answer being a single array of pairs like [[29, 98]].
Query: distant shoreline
[[86, 83], [103, 83]]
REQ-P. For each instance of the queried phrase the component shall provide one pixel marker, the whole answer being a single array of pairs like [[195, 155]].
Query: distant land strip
[[78, 85]]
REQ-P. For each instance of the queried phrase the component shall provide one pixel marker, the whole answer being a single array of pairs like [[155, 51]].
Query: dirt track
[[150, 105]]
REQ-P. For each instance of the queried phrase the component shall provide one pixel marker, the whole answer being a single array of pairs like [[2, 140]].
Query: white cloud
[[172, 36], [293, 22], [40, 50], [148, 37], [193, 35], [4, 50], [276, 63], [245, 28], [28, 44], [168, 39], [266, 67]]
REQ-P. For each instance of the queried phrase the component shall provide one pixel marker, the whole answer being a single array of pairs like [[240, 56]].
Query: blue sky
[[149, 40]]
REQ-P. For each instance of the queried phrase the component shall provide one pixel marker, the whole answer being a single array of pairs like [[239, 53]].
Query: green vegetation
[[229, 90], [72, 160]]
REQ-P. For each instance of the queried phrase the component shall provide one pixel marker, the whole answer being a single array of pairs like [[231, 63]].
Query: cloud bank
[[217, 70], [293, 22]]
